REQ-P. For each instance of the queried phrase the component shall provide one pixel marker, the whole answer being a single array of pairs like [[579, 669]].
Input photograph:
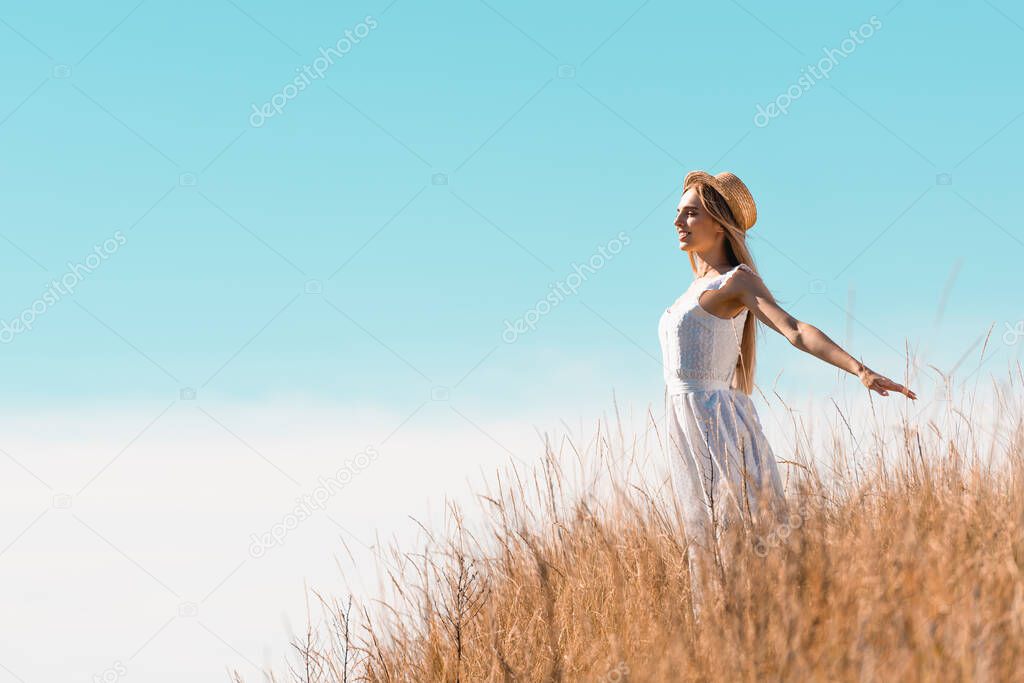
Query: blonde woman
[[720, 460]]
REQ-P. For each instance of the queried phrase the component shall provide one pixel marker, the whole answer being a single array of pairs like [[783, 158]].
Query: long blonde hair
[[736, 247]]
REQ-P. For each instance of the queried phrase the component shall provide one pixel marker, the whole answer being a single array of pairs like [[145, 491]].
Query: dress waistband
[[682, 385]]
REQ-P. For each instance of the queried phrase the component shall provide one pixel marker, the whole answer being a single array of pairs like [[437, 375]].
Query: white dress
[[720, 461]]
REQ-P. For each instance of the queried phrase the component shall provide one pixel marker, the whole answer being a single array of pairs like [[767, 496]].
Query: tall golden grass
[[902, 559]]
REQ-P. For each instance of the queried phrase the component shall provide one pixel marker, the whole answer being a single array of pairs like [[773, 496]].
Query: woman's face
[[697, 230]]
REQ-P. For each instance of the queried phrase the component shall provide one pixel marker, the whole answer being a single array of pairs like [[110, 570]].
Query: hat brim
[[738, 197], [699, 176]]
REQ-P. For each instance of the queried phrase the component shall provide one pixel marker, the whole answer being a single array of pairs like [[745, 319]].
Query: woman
[[720, 460]]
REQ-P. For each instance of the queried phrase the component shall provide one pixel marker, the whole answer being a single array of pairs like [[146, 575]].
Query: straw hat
[[736, 194]]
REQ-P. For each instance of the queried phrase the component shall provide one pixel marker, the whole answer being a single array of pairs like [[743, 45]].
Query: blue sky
[[256, 301], [555, 128]]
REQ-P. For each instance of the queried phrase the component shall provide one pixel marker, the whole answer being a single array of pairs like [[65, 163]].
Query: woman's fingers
[[886, 383], [904, 390], [883, 385]]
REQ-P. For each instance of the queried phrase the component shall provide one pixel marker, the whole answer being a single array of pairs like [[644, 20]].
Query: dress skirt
[[722, 467]]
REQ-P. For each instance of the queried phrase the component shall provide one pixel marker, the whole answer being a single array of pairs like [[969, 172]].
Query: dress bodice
[[699, 350]]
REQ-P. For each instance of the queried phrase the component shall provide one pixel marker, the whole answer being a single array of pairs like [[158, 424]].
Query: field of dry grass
[[902, 560]]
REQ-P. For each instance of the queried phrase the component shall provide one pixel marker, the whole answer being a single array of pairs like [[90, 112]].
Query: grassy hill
[[902, 559]]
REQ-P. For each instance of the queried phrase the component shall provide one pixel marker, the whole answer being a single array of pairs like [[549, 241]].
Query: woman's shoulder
[[738, 275]]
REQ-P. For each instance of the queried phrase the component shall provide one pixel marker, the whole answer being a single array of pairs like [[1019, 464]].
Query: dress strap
[[732, 271], [741, 317], [719, 281]]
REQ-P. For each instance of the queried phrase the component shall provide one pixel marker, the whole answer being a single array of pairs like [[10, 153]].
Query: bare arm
[[749, 290]]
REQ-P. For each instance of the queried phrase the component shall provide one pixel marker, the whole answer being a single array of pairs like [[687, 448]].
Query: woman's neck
[[704, 268]]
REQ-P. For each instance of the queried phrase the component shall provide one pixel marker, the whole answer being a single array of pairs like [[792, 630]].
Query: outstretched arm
[[751, 291]]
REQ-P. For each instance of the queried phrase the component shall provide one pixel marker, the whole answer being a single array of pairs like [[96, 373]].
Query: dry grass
[[903, 563]]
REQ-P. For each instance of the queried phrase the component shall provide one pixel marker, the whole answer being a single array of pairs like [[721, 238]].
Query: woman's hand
[[883, 385]]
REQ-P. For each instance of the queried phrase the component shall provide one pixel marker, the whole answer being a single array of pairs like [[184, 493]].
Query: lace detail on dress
[[697, 344], [697, 373]]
